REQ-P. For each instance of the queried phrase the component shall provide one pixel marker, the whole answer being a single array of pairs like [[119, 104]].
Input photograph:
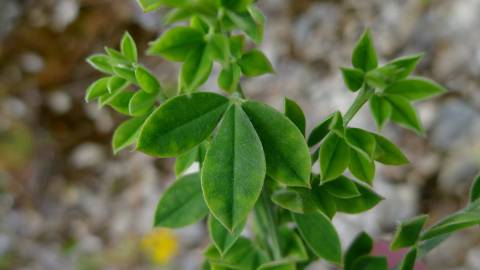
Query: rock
[[88, 155], [65, 12], [31, 62], [59, 102]]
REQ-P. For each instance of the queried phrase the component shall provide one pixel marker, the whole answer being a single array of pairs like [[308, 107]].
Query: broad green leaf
[[219, 48], [177, 43], [119, 102], [408, 262], [334, 157], [128, 47], [404, 114], [181, 123], [415, 88], [97, 89], [100, 62], [324, 201], [361, 166], [236, 45], [125, 72], [371, 263], [396, 70], [342, 187], [242, 255], [408, 232], [320, 131], [278, 265], [381, 110], [234, 169], [465, 218], [229, 78], [126, 133], [255, 63], [366, 201], [147, 81], [337, 124], [387, 152], [353, 78], [295, 200], [294, 112], [286, 153], [360, 246], [185, 160], [247, 24], [364, 56], [141, 102], [291, 245], [320, 235], [115, 83], [475, 189], [196, 69], [221, 237], [360, 140], [182, 203]]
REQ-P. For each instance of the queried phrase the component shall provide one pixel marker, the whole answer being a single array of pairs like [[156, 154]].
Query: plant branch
[[363, 96]]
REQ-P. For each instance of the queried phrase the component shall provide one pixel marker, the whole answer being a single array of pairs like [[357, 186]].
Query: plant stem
[[363, 96]]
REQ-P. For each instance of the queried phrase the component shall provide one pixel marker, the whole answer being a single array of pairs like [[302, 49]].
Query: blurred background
[[66, 202]]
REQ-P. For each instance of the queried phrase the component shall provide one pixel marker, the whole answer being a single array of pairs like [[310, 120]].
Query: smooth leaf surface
[[286, 153], [408, 232], [360, 140], [141, 102], [291, 245], [234, 169], [177, 43], [366, 201], [100, 62], [353, 78], [128, 47], [229, 78], [414, 89], [404, 114], [97, 89], [342, 187], [185, 160], [364, 56], [115, 83], [255, 63], [278, 265], [408, 262], [361, 166], [475, 189], [334, 157], [294, 112], [119, 102], [182, 203], [320, 131], [147, 81], [371, 263], [360, 246], [221, 237], [181, 123], [196, 69], [390, 73], [387, 152], [381, 110], [320, 235], [242, 255], [127, 133]]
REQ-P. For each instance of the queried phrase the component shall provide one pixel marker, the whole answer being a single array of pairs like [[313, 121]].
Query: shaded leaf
[[221, 237], [334, 157], [126, 133], [342, 187], [366, 201], [371, 263], [320, 131], [408, 232], [147, 81], [177, 43], [196, 69], [362, 245], [229, 77], [408, 262], [353, 78], [360, 140], [475, 189], [255, 63], [364, 56], [381, 110], [387, 152], [415, 88], [404, 114], [361, 166], [294, 112], [185, 160]]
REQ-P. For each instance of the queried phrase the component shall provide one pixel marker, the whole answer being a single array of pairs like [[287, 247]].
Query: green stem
[[271, 225], [363, 96]]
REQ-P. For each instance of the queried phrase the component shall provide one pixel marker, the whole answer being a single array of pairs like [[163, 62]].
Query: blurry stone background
[[67, 203]]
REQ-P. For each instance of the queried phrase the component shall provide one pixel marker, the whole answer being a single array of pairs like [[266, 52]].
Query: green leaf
[[181, 123], [238, 5], [362, 166], [360, 246], [229, 78], [381, 110], [97, 89], [408, 232], [324, 201], [295, 200], [219, 48], [387, 152], [294, 112], [364, 56], [234, 169], [337, 125], [196, 69], [408, 262], [100, 62], [366, 201], [291, 245], [342, 187], [415, 89], [119, 102], [125, 72], [185, 160], [371, 263], [247, 24], [242, 255], [286, 153], [128, 47], [360, 140], [255, 63], [221, 237], [404, 114], [151, 5], [334, 157], [177, 43], [116, 57], [320, 235], [127, 133], [278, 265], [396, 70], [475, 189], [320, 131], [147, 81], [353, 78], [236, 45], [182, 203], [116, 83], [197, 23], [141, 102], [256, 14]]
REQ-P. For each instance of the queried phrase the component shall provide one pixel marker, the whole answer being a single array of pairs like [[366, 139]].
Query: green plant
[[254, 158]]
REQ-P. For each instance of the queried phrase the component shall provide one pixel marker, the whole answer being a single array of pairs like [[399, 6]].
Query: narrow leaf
[[127, 133], [387, 152], [408, 232], [414, 89], [97, 89], [404, 114], [408, 262], [128, 47], [100, 62], [334, 157], [353, 78], [381, 110], [475, 189], [342, 187], [294, 112], [196, 69], [364, 56], [147, 81], [320, 131]]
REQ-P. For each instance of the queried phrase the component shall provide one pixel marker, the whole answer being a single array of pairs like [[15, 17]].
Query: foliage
[[254, 158]]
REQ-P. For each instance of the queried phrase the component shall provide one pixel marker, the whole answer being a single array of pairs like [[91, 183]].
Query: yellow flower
[[160, 245]]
